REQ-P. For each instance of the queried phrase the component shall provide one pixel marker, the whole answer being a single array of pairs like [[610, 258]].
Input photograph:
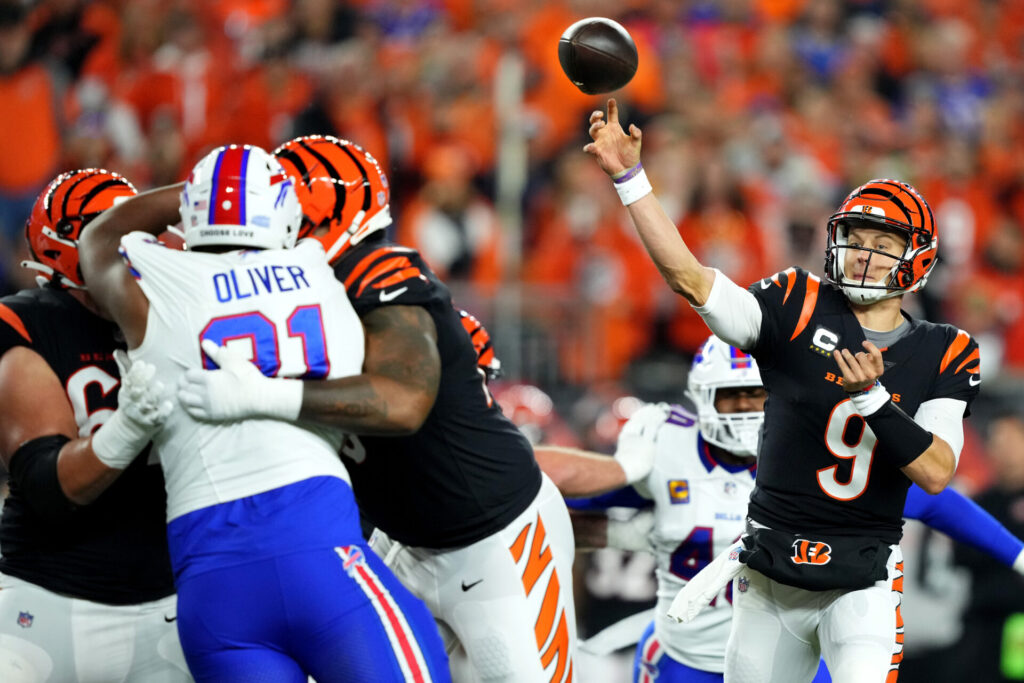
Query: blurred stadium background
[[758, 117]]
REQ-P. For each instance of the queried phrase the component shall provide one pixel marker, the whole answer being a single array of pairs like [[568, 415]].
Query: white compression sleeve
[[944, 417], [731, 312]]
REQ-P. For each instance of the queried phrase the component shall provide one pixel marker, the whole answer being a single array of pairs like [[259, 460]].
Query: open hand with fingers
[[616, 151], [860, 370]]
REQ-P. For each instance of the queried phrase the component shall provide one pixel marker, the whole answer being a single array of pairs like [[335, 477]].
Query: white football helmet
[[240, 196], [717, 366]]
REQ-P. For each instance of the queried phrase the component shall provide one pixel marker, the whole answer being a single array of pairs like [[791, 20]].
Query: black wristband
[[34, 477], [900, 439]]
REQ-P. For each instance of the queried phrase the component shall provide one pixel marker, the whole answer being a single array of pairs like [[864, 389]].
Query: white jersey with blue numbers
[[699, 509], [284, 307]]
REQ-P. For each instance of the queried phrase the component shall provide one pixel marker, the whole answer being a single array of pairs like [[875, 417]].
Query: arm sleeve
[[944, 417], [626, 497], [964, 521], [731, 312]]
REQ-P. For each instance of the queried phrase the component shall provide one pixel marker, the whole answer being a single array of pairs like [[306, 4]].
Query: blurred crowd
[[758, 117]]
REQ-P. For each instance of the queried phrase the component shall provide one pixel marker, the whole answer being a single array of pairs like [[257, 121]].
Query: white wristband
[[280, 399], [633, 185], [870, 401], [120, 439], [1018, 564]]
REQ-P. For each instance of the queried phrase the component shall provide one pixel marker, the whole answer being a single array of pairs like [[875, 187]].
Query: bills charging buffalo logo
[[25, 619], [811, 552]]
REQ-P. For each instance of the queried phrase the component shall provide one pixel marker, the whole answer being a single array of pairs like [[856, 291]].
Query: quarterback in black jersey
[[468, 521], [862, 401], [86, 591]]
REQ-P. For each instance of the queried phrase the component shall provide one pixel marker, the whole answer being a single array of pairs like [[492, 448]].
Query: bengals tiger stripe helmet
[[344, 194], [60, 214], [889, 205]]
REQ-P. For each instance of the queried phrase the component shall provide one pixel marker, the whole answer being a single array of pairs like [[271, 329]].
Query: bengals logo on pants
[[811, 552]]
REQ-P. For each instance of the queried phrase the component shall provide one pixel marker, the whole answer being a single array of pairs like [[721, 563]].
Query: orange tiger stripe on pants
[[550, 617]]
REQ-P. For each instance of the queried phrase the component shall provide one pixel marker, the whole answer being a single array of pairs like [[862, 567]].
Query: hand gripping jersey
[[468, 471], [818, 470], [286, 307], [113, 551], [699, 510]]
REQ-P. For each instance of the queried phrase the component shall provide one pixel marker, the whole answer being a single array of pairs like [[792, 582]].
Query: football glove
[[632, 533], [635, 449], [143, 405], [237, 391]]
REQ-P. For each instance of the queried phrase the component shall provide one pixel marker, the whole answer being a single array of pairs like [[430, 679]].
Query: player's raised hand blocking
[[860, 370], [616, 152]]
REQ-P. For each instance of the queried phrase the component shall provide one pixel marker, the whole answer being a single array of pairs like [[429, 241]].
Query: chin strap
[[42, 281]]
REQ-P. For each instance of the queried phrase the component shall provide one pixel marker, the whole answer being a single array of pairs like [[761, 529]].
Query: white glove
[[631, 534], [143, 405], [238, 390], [1018, 564], [702, 588], [635, 449]]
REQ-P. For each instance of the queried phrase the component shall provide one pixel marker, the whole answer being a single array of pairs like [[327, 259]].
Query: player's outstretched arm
[[578, 473], [963, 520], [109, 280], [618, 155], [392, 397], [56, 469]]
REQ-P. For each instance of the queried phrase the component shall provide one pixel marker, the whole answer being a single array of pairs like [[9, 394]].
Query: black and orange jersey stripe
[[803, 321]]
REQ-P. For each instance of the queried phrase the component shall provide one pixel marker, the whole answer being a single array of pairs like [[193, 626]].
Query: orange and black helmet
[[344, 194], [888, 205], [486, 361], [60, 214]]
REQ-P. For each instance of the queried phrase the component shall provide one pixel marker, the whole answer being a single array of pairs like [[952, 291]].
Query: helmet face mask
[[891, 206], [344, 193], [61, 212], [240, 196], [720, 366]]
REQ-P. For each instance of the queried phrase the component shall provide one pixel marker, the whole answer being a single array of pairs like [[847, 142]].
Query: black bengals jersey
[[114, 550], [468, 471], [818, 470]]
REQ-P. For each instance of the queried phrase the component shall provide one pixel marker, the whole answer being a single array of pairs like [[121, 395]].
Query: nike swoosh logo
[[974, 380], [388, 296], [466, 588], [170, 620]]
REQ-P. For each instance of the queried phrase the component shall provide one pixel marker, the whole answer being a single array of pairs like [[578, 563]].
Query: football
[[598, 55]]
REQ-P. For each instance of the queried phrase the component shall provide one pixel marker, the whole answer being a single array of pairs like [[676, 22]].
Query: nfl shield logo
[[743, 583], [25, 619]]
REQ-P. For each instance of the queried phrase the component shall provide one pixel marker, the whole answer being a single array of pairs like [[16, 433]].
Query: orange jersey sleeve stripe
[[400, 276], [12, 319], [396, 263], [954, 350], [810, 301], [366, 263], [974, 355], [790, 282]]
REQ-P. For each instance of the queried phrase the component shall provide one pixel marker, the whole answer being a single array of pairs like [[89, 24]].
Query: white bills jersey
[[287, 310], [699, 509]]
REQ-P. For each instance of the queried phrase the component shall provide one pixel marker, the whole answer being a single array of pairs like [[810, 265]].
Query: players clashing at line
[[256, 507]]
